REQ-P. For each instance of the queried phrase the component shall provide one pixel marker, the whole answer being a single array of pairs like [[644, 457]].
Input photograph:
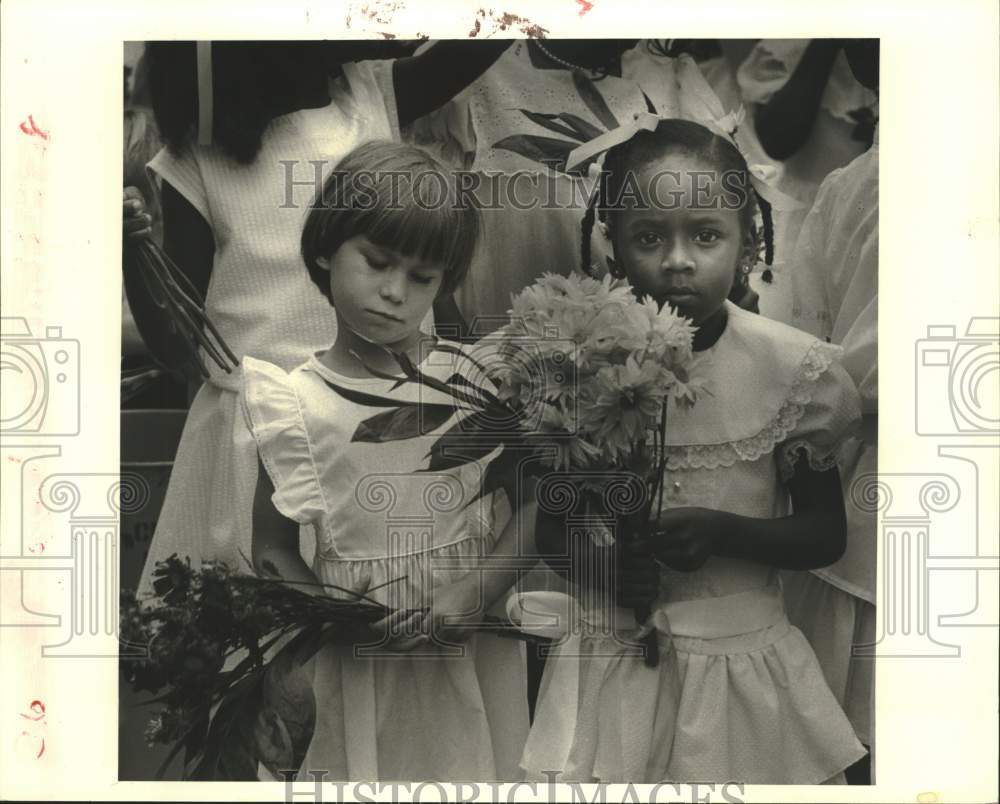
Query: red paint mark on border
[[586, 6], [37, 714], [38, 708], [33, 130], [40, 750], [507, 20]]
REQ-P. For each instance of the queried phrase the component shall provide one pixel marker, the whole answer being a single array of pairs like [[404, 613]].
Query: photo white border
[[939, 212]]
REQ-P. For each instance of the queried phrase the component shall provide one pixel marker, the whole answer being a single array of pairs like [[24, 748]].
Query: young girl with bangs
[[251, 129], [437, 701]]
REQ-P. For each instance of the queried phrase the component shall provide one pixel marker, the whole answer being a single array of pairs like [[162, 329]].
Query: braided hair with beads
[[698, 141]]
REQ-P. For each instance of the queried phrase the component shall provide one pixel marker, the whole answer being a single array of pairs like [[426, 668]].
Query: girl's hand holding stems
[[684, 539], [457, 608], [136, 221], [454, 609]]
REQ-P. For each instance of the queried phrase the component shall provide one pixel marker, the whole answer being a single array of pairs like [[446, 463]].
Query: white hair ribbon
[[761, 177], [697, 102], [642, 121], [204, 51]]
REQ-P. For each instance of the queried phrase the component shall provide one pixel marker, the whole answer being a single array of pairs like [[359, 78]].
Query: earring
[[614, 270]]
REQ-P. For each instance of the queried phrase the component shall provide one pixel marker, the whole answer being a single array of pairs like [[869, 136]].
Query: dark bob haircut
[[400, 198]]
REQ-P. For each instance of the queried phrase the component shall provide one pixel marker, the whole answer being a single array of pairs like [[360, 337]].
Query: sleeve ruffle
[[273, 414], [819, 413], [830, 413]]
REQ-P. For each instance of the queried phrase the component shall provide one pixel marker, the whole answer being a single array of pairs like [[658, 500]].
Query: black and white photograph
[[424, 400], [503, 402]]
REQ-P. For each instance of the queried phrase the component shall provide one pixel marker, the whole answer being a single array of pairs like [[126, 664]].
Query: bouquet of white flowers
[[591, 368], [581, 376]]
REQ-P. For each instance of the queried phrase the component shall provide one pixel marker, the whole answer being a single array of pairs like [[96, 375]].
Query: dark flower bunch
[[224, 656]]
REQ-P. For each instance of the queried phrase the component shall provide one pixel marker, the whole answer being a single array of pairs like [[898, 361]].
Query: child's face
[[380, 294], [680, 245]]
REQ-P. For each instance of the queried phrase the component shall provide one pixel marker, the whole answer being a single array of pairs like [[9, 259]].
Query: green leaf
[[473, 438], [500, 473], [368, 400], [191, 740], [403, 423], [494, 420], [317, 639], [545, 150], [503, 471], [229, 752], [594, 100], [382, 375], [447, 348], [488, 397], [287, 719], [451, 452], [548, 121], [405, 363], [444, 388], [585, 131]]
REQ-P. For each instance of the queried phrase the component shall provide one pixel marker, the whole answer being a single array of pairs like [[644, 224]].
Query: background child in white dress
[[750, 489], [415, 708], [835, 295], [809, 116], [532, 225], [232, 216]]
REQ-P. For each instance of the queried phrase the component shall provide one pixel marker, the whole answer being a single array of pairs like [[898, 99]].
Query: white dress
[[830, 144], [738, 694], [835, 296], [518, 245], [435, 713], [260, 297]]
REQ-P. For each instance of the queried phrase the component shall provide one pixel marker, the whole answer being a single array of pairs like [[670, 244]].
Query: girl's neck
[[352, 355], [710, 330]]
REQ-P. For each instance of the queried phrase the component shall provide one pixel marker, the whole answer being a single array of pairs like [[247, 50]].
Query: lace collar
[[760, 375]]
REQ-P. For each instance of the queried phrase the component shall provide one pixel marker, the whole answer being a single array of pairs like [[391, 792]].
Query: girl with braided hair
[[751, 488]]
